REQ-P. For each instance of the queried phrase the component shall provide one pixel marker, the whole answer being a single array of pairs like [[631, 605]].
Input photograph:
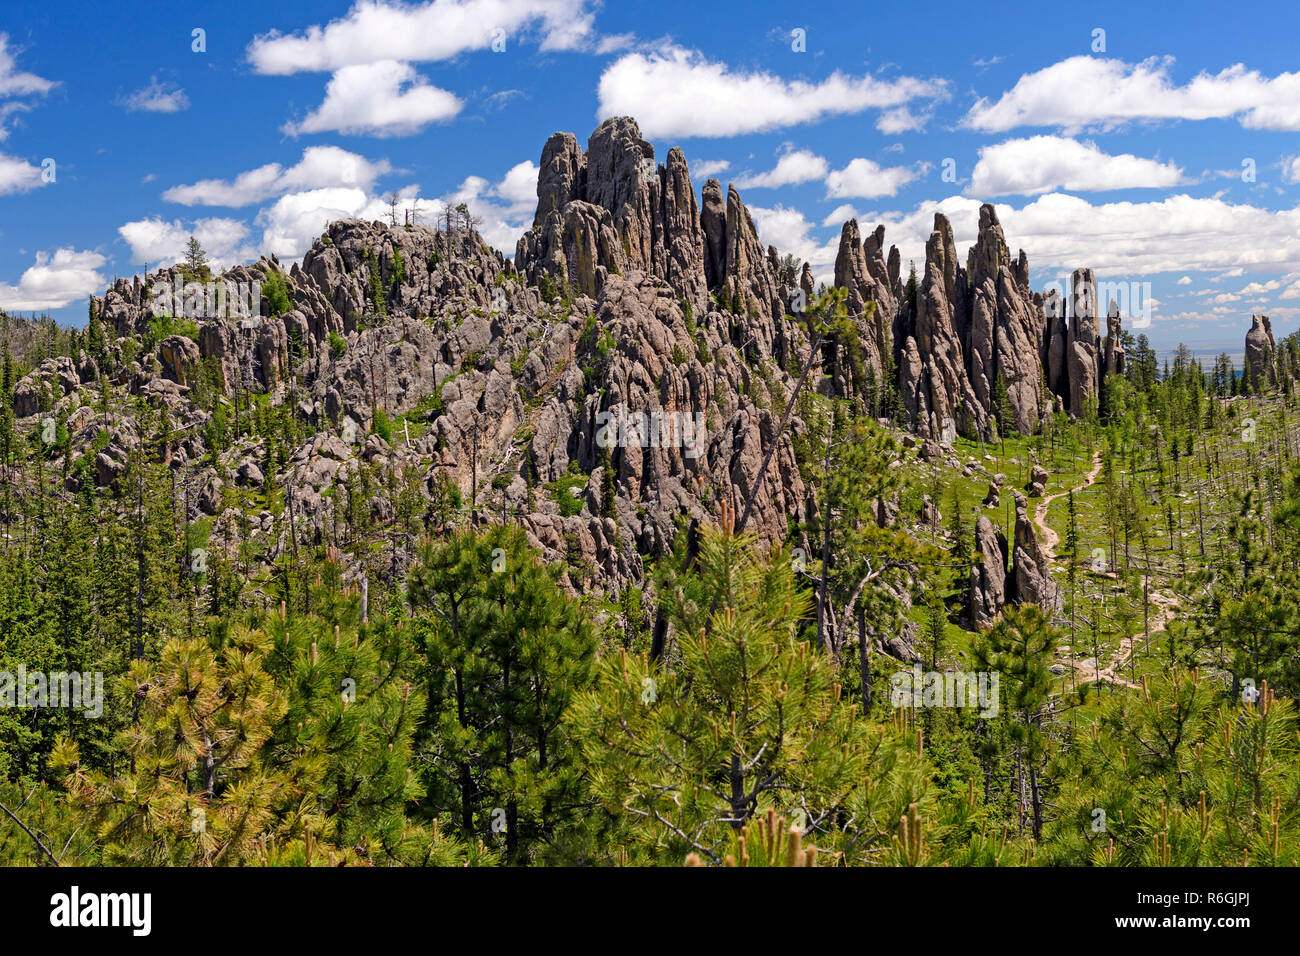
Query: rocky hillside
[[412, 367]]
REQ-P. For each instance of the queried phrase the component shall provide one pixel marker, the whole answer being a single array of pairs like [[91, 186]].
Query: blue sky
[[1163, 150]]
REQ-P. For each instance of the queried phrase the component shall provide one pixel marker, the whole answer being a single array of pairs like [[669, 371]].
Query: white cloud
[[293, 222], [506, 207], [373, 31], [15, 83], [54, 281], [1185, 280], [615, 43], [17, 175], [161, 243], [677, 92], [788, 230], [1290, 170], [156, 98], [519, 186], [900, 120], [797, 166], [1263, 288], [1086, 91], [708, 168], [1174, 234], [865, 179], [840, 215], [385, 98], [1041, 164], [319, 166]]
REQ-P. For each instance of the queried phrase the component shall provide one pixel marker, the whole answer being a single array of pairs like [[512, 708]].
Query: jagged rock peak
[[612, 208], [1261, 351]]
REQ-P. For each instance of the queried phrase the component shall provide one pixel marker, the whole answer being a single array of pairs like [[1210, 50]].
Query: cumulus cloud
[[54, 281], [789, 231], [708, 168], [156, 98], [840, 215], [1118, 93], [677, 92], [16, 84], [1041, 164], [320, 166], [373, 31], [293, 222], [385, 98], [18, 175], [796, 166], [900, 120], [519, 186], [505, 207], [1174, 234], [865, 179], [160, 242]]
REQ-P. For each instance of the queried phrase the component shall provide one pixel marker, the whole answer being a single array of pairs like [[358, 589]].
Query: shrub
[[381, 425], [276, 293]]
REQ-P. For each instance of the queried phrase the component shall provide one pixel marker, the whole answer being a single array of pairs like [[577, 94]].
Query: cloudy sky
[[1151, 148]]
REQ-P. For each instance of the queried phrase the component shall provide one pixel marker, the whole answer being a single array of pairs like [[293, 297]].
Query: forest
[[740, 705]]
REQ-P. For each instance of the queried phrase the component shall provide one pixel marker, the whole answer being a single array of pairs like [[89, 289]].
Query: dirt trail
[[1087, 669], [1163, 603], [1047, 538]]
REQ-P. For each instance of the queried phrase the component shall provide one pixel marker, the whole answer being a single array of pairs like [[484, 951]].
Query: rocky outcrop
[[611, 209], [1030, 581], [977, 334], [1261, 352], [988, 578], [179, 357], [933, 383], [873, 296], [1082, 344], [45, 385], [1115, 355], [435, 381]]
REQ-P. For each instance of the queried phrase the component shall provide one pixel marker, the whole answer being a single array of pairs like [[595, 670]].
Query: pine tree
[[1021, 648], [507, 651], [195, 267], [749, 718]]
